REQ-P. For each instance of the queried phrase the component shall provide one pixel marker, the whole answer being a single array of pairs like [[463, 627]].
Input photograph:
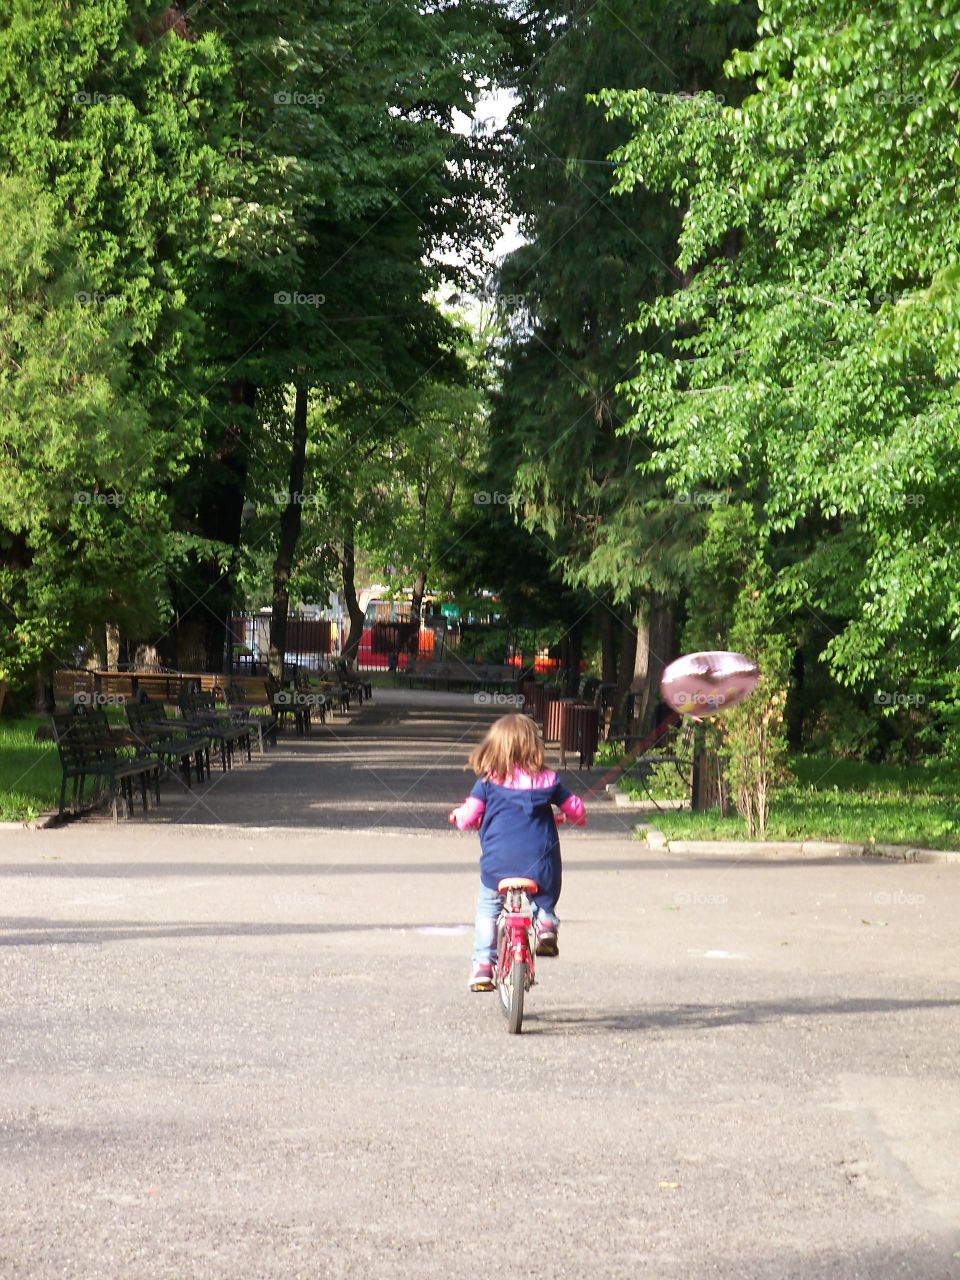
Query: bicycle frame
[[514, 936]]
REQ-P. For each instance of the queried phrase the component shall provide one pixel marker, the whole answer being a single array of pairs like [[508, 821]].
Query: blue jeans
[[485, 927]]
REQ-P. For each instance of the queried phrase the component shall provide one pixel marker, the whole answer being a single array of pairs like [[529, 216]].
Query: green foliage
[[558, 444], [724, 381], [76, 458], [609, 752], [422, 478], [345, 180], [108, 149], [663, 782], [718, 566], [845, 731], [815, 341], [845, 801], [754, 744], [229, 198], [751, 736], [940, 728]]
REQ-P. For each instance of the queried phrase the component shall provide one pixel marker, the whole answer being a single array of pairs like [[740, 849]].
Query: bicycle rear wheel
[[512, 990]]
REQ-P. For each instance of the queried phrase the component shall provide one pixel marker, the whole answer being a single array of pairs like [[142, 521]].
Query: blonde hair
[[512, 742]]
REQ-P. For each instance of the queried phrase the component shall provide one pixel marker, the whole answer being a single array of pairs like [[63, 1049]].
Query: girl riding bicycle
[[511, 803]]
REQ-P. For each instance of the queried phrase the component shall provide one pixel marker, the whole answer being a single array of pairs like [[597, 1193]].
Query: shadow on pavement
[[650, 863], [396, 763], [698, 1017]]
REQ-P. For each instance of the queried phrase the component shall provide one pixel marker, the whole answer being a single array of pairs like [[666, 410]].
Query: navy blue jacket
[[518, 835]]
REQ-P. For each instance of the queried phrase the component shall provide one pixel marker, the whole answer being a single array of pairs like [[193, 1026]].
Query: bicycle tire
[[502, 979], [502, 968], [515, 988]]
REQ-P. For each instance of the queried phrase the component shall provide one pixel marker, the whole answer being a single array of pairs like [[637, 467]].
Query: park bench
[[499, 677], [489, 677], [158, 686], [263, 723], [67, 683], [117, 686], [353, 681], [252, 688], [119, 737], [114, 686], [288, 702], [200, 712], [167, 740], [326, 691], [302, 701], [210, 686], [88, 750], [416, 673]]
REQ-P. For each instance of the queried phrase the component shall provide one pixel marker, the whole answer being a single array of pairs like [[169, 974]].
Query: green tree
[[570, 294], [429, 474], [345, 175], [253, 199], [815, 346], [77, 460], [114, 117]]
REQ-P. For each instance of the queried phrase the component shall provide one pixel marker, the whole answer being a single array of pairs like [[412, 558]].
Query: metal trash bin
[[551, 718], [533, 700], [579, 731]]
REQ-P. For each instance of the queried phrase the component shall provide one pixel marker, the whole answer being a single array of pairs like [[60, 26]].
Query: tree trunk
[[794, 715], [113, 646], [203, 593], [416, 611], [290, 521], [43, 699], [628, 654], [655, 649], [348, 565], [420, 582]]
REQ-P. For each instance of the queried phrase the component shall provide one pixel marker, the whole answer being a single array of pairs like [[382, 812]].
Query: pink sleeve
[[469, 813], [574, 811]]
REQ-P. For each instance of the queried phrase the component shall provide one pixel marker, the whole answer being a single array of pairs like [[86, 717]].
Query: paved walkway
[[232, 1053], [398, 765]]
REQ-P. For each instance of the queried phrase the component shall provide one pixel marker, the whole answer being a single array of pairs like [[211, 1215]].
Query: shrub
[[753, 736]]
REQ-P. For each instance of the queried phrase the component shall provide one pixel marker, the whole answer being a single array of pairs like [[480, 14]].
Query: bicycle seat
[[518, 882]]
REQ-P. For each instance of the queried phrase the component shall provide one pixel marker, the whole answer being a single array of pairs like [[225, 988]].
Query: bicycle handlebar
[[560, 817]]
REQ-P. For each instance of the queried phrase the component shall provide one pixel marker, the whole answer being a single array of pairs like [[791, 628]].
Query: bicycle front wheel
[[512, 990]]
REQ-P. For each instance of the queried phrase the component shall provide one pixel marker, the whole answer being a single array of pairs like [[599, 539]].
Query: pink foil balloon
[[700, 684]]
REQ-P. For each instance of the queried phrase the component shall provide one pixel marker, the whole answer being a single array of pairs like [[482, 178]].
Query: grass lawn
[[379, 679], [29, 771], [847, 801]]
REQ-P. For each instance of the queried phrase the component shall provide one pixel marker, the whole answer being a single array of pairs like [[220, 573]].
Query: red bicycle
[[513, 973]]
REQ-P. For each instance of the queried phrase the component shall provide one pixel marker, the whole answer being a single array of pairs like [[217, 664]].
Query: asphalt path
[[237, 1042]]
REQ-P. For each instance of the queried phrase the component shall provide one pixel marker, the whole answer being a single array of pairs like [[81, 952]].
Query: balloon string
[[617, 772]]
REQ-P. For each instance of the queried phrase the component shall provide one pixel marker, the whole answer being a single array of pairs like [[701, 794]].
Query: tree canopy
[[718, 398], [254, 205], [814, 362]]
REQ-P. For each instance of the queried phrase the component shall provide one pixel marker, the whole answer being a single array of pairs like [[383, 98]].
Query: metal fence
[[310, 642]]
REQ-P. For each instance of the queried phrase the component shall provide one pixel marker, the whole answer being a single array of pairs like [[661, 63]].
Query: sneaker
[[547, 942], [481, 979]]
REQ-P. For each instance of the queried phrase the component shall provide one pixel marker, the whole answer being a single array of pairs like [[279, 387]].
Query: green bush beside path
[[845, 801]]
